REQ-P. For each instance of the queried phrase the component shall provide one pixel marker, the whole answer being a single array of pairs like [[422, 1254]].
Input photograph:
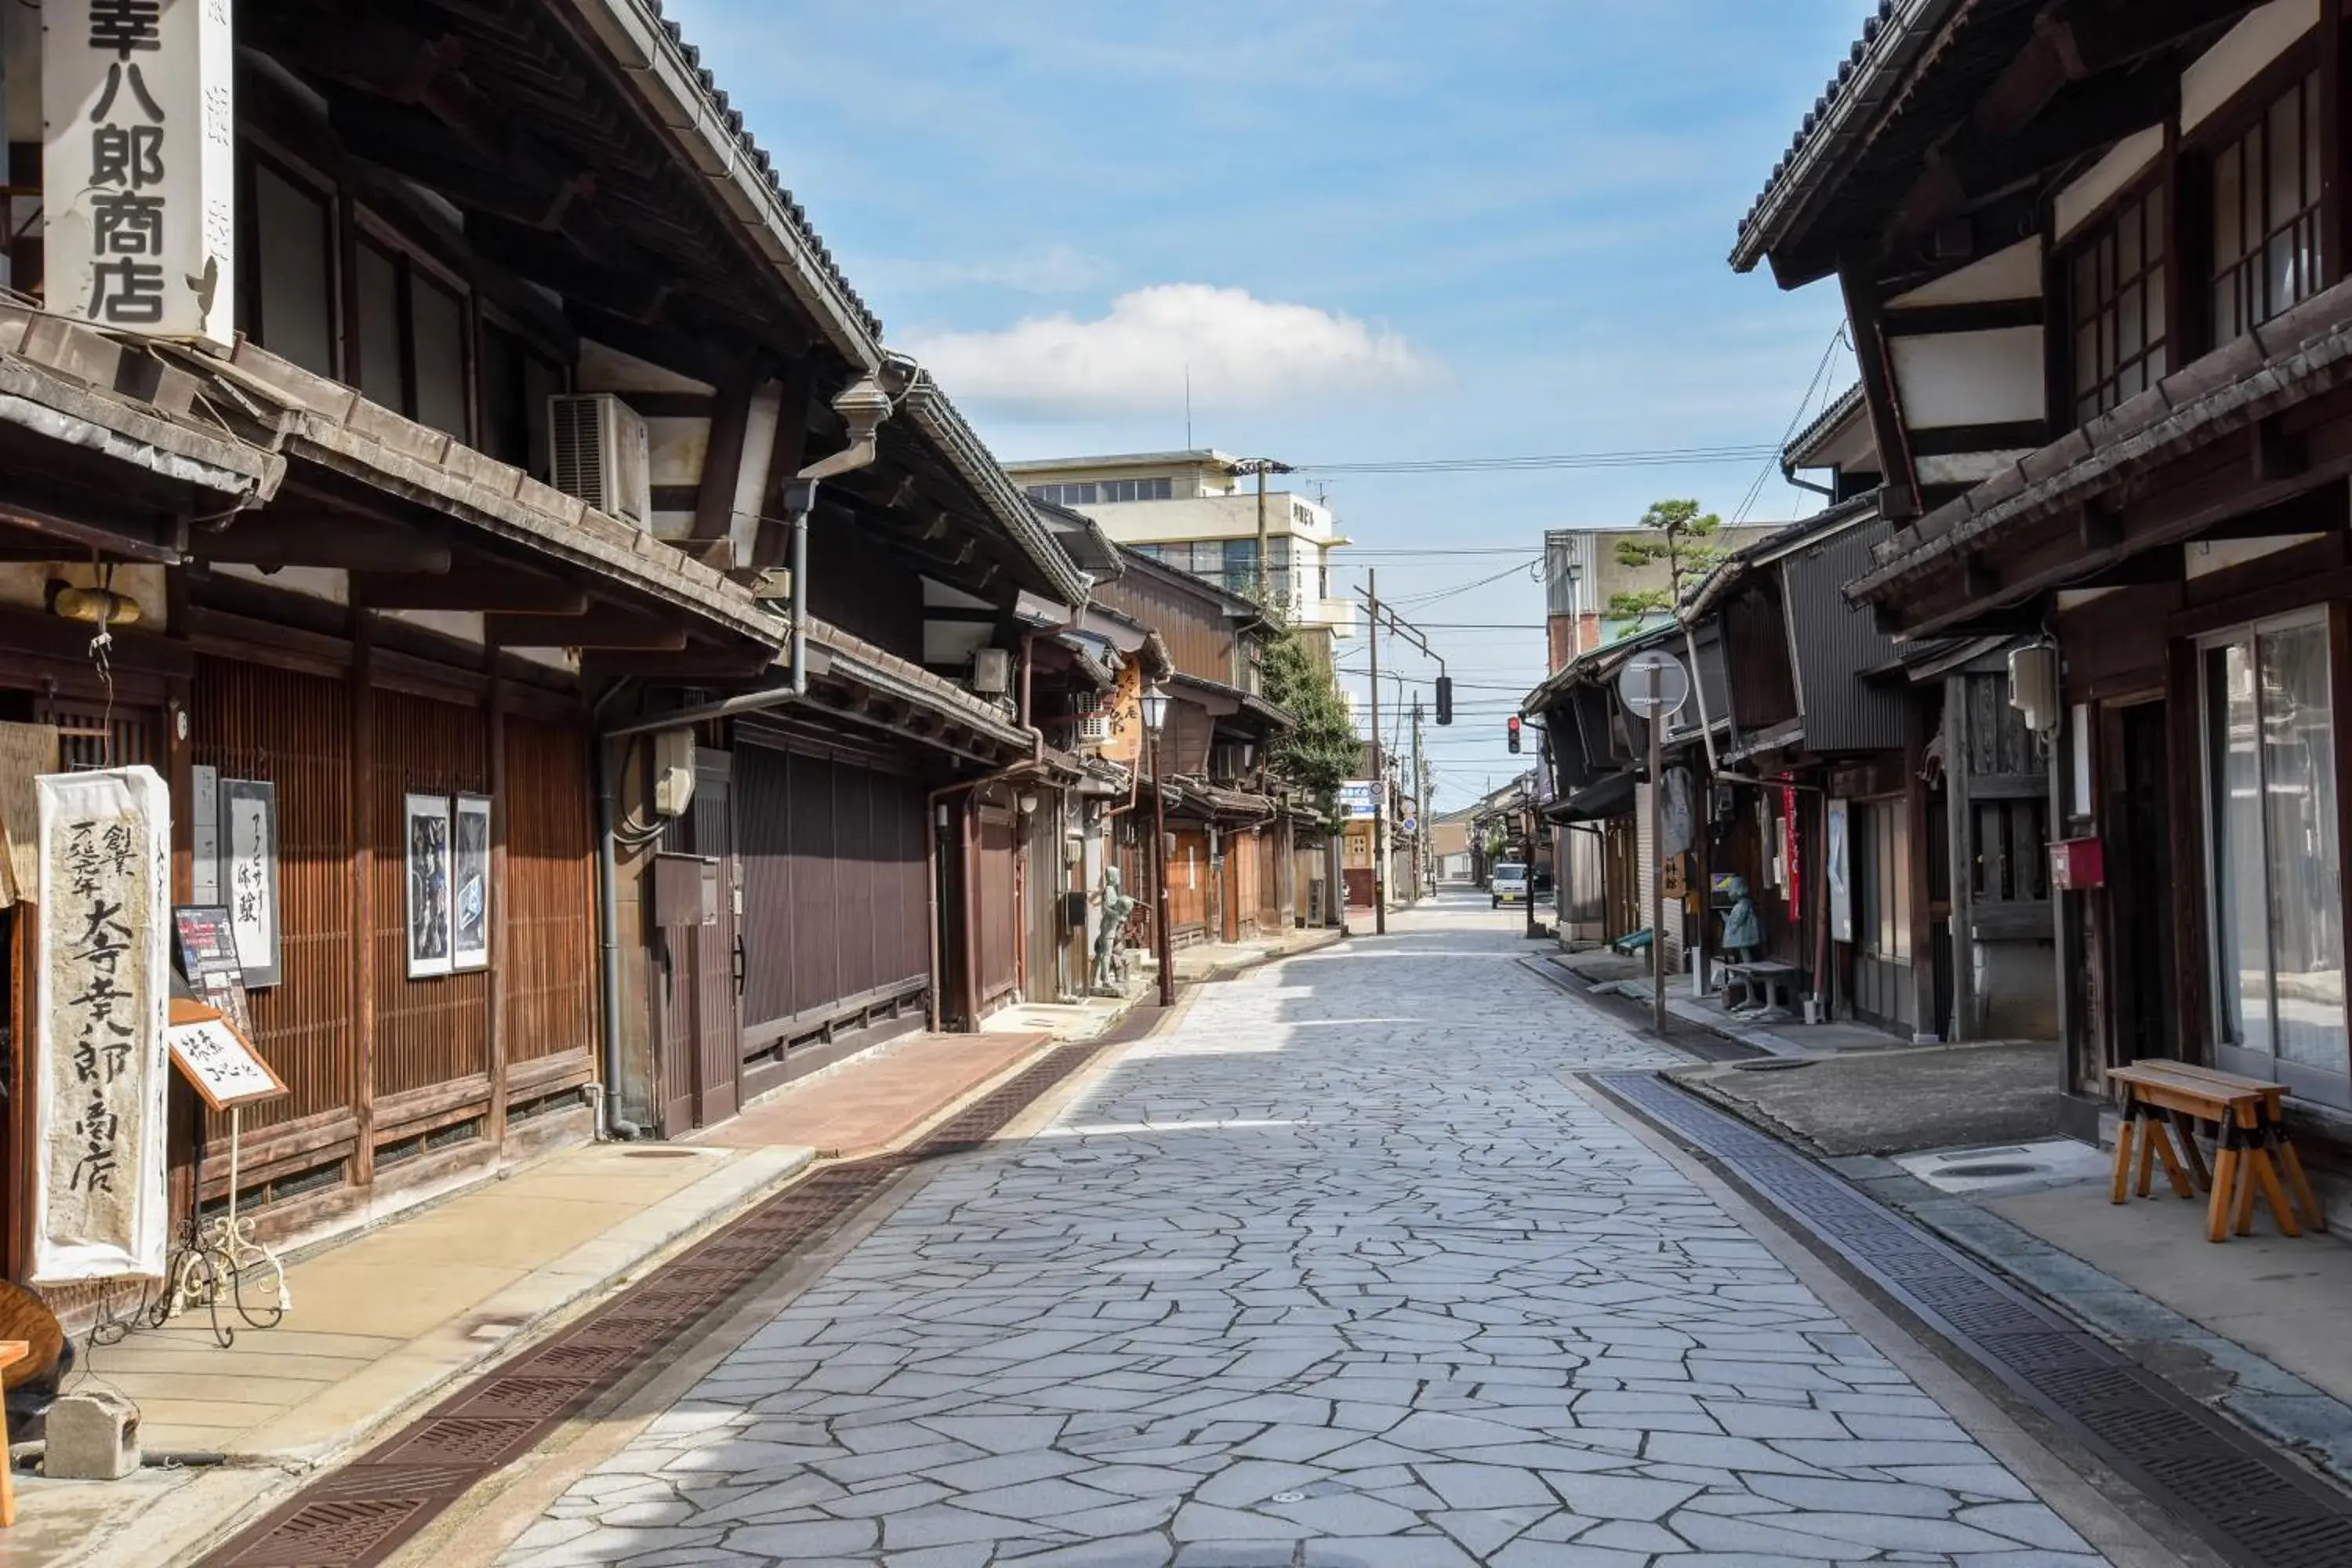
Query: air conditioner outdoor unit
[[601, 453], [992, 671]]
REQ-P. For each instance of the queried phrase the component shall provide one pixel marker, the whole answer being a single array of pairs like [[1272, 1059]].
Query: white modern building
[[1200, 511]]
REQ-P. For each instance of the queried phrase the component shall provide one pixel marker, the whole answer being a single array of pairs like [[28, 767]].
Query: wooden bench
[[2252, 1150], [1771, 976]]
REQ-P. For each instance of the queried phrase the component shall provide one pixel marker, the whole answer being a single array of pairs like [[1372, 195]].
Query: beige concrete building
[[1582, 577], [1199, 511]]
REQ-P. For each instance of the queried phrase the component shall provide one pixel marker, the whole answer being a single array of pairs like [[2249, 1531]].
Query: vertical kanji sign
[[101, 969], [138, 165]]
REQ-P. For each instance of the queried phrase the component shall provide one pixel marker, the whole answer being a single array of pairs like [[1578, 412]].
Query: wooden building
[[2095, 262], [744, 724], [1229, 857]]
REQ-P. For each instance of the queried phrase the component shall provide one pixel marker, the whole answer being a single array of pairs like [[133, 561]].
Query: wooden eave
[[2253, 439]]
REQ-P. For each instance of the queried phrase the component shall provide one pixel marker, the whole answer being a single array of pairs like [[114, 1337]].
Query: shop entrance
[[2139, 894]]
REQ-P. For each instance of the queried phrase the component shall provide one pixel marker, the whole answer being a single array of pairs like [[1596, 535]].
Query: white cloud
[[1040, 269], [1242, 353]]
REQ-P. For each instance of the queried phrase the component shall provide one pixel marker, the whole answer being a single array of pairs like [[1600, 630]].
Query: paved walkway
[[1339, 1270]]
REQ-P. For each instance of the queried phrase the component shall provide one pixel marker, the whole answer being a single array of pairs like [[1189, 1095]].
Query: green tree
[[1678, 534], [1322, 751]]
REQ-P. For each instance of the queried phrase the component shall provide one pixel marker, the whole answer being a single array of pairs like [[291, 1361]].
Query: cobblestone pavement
[[1339, 1272]]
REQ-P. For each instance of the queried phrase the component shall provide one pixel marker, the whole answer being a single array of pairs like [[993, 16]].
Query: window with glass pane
[[296, 283], [2266, 230], [2117, 303], [2278, 939]]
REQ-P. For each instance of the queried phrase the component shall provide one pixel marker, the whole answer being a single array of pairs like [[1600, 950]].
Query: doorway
[[701, 971], [2139, 892]]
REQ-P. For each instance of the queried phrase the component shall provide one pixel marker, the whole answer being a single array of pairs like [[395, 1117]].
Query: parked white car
[[1510, 885]]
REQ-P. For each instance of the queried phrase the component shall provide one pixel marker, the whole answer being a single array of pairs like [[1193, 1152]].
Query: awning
[[1612, 796]]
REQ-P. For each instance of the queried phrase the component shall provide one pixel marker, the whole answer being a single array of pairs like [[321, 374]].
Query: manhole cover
[[1772, 1064], [1990, 1168], [658, 1153]]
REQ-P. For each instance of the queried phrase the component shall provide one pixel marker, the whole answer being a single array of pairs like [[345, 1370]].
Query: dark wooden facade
[[2162, 504]]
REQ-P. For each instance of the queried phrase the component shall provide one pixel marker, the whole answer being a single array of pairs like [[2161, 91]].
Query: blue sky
[[1374, 231]]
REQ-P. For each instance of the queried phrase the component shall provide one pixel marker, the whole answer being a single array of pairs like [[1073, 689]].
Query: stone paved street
[[1337, 1271]]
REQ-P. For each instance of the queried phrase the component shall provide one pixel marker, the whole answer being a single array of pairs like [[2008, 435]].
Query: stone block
[[92, 1436]]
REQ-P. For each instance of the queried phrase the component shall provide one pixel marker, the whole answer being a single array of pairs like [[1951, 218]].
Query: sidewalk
[[1212, 960], [2247, 1325], [387, 1319]]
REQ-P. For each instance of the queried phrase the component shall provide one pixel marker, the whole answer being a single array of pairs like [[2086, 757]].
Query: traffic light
[[1513, 722], [1445, 699]]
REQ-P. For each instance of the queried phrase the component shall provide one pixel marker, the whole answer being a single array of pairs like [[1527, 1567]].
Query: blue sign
[[1358, 799]]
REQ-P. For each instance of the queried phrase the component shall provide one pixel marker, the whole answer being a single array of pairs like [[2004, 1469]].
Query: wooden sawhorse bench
[[2253, 1149]]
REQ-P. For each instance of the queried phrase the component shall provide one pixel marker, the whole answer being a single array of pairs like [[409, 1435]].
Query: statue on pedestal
[[1110, 958]]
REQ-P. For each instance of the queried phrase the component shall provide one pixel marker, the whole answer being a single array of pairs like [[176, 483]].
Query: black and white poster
[[427, 820], [470, 883], [248, 874]]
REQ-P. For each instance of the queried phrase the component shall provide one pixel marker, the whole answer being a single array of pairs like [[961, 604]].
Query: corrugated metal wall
[[1835, 641]]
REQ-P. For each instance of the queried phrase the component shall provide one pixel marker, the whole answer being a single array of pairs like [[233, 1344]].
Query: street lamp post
[[1155, 715]]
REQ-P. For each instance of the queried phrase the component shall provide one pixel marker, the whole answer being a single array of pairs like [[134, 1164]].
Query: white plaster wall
[[2260, 37], [2206, 557], [332, 584], [2011, 274], [1970, 378]]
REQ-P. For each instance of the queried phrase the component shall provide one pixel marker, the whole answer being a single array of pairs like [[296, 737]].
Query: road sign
[[1671, 681], [1409, 824]]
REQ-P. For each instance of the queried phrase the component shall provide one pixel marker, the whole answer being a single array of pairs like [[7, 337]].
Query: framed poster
[[469, 902], [249, 875], [102, 970], [208, 957], [425, 820], [1837, 868]]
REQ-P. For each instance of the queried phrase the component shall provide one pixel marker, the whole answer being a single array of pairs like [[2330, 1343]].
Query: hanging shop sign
[[427, 820], [469, 886], [1358, 799], [137, 165], [101, 966], [1837, 869], [248, 841]]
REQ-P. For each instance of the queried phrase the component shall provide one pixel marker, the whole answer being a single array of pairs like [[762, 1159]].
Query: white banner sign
[[1358, 799], [137, 165], [1838, 867], [103, 967]]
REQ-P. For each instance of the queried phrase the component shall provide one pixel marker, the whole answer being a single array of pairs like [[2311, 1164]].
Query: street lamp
[[1155, 716]]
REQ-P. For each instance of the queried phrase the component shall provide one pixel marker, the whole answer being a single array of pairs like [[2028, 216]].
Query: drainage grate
[[365, 1512], [2252, 1504]]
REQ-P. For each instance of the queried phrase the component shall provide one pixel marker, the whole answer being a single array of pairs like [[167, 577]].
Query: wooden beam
[[2277, 454], [604, 629], [2099, 527], [2150, 567], [278, 538], [796, 400], [1899, 499], [476, 587], [713, 665], [159, 540], [722, 454]]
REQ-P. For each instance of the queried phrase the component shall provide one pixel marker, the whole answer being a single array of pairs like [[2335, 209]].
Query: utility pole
[[1657, 851], [1380, 771], [1262, 466], [1420, 808]]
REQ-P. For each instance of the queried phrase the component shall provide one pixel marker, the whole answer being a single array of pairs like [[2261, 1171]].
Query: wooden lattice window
[[2116, 303], [2267, 251]]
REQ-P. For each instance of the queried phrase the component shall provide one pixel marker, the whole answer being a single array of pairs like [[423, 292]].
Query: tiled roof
[[1891, 39], [725, 111]]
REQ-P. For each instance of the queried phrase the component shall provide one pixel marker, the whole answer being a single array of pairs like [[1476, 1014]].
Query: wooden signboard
[[217, 1058]]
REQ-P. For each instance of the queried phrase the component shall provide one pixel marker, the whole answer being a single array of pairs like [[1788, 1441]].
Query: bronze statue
[[1111, 957]]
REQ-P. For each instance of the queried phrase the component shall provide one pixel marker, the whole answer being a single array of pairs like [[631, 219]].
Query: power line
[[1656, 458]]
